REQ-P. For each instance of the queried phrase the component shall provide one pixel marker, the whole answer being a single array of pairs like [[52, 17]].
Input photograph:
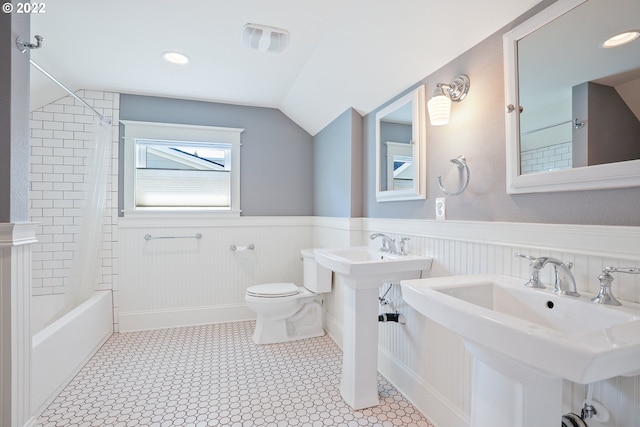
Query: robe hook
[[24, 45]]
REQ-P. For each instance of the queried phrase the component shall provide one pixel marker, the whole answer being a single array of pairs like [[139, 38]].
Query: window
[[170, 167]]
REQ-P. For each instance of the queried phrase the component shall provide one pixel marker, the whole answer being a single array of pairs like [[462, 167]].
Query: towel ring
[[461, 162]]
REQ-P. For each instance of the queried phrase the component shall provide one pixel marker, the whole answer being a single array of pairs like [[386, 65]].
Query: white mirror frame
[[612, 175], [418, 142]]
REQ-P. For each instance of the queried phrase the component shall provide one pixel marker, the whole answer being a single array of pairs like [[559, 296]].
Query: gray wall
[[477, 130], [14, 119], [276, 176], [337, 166], [611, 133]]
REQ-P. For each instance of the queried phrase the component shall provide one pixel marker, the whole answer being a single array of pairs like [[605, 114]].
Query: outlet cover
[[440, 208]]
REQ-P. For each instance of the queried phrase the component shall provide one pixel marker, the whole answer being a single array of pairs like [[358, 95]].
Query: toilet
[[286, 312]]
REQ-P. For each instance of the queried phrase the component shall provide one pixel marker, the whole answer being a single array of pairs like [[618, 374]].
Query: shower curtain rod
[[103, 119]]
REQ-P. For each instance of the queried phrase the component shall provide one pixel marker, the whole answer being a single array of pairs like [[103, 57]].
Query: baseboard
[[159, 319], [333, 328], [424, 397]]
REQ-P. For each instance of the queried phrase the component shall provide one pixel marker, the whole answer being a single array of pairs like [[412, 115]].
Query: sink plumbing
[[385, 301]]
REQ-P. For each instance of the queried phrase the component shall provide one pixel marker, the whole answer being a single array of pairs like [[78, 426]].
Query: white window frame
[[134, 130]]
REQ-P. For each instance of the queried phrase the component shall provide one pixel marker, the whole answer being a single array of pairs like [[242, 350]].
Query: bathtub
[[61, 349]]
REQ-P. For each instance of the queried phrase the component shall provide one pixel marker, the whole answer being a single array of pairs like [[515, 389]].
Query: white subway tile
[[41, 115], [73, 109], [41, 204], [42, 133], [53, 108], [63, 134], [42, 169], [53, 125], [73, 126], [41, 151], [50, 142]]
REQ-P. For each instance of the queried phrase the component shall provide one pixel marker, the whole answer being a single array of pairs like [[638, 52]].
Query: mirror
[[577, 125], [400, 142]]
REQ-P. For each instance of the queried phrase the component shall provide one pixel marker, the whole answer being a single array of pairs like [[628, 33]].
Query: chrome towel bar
[[148, 237]]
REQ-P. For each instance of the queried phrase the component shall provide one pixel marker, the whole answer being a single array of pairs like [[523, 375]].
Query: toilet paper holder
[[234, 248]]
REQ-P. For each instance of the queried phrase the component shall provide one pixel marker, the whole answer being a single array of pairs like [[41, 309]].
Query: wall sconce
[[440, 104]]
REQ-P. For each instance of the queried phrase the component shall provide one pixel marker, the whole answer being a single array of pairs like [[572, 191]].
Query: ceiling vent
[[264, 38]]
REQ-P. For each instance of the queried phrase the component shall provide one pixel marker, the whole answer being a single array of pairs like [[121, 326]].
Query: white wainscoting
[[427, 362], [187, 281], [177, 282]]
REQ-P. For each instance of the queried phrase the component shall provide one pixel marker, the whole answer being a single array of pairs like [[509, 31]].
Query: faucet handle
[[605, 296], [535, 264], [529, 257], [403, 244]]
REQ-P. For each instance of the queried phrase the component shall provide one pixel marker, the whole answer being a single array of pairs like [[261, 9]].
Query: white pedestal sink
[[361, 271], [525, 341]]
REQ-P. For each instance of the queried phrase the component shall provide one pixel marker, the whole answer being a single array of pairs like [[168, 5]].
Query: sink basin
[[558, 336], [362, 261]]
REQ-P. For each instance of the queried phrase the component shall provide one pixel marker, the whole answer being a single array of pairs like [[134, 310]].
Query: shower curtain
[[85, 266]]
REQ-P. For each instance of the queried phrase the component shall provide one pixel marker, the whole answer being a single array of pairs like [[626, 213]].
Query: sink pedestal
[[359, 272], [359, 385], [506, 394]]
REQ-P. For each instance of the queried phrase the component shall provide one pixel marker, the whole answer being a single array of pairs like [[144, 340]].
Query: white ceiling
[[342, 53]]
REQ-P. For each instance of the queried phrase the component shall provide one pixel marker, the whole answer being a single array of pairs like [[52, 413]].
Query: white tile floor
[[214, 375]]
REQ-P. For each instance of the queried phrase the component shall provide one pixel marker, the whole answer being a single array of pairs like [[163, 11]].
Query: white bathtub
[[63, 347]]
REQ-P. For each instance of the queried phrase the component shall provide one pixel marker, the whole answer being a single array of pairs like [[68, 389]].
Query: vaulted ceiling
[[342, 53]]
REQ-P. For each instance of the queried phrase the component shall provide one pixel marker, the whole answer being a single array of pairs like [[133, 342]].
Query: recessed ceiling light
[[175, 58], [621, 39]]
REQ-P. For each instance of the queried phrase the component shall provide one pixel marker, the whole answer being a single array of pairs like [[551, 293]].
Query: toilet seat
[[273, 290]]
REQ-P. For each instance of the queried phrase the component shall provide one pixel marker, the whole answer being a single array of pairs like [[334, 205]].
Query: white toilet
[[286, 312]]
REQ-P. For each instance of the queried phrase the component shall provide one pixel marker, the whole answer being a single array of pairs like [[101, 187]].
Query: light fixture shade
[[439, 110]]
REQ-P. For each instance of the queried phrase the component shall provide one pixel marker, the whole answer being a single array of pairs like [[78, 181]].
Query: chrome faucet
[[390, 245], [565, 283]]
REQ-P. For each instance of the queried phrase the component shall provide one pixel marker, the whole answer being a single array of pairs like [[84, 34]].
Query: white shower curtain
[[85, 265]]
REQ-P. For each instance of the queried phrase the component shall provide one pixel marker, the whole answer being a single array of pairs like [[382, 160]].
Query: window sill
[[166, 214]]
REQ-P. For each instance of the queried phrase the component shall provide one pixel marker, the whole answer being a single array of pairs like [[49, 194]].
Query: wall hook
[[23, 45], [461, 163]]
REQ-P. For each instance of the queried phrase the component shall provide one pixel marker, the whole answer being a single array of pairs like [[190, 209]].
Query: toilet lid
[[272, 290]]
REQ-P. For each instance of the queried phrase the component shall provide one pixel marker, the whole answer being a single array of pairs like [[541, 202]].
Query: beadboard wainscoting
[[174, 282], [188, 281], [428, 363]]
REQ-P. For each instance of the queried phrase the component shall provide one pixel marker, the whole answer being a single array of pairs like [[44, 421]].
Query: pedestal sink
[[525, 341], [361, 271]]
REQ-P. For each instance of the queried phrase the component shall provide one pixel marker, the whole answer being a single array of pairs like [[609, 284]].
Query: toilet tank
[[316, 278]]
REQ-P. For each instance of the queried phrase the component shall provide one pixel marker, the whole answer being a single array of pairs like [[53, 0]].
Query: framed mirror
[[577, 121], [400, 148]]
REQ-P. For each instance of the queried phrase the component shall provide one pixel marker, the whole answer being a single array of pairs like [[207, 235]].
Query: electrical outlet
[[441, 208]]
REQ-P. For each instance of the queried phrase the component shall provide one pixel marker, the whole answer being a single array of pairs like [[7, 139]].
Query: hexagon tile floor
[[214, 375]]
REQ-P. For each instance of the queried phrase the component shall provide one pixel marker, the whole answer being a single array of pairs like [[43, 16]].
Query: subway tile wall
[[553, 157], [61, 135]]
